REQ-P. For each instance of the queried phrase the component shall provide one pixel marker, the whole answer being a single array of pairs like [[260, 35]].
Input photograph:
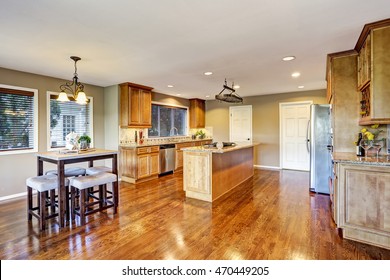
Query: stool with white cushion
[[45, 185], [69, 171], [103, 200], [97, 169]]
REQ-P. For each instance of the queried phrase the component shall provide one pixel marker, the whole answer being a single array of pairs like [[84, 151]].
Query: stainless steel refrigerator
[[319, 144]]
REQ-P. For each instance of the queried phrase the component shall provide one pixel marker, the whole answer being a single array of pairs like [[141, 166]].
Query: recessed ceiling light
[[295, 74], [288, 58], [208, 73], [236, 86], [170, 85], [207, 96], [301, 86], [178, 94]]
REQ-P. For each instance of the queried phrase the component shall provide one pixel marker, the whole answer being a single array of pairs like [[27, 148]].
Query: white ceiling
[[162, 42]]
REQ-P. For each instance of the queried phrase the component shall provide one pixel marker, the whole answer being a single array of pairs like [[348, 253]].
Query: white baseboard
[[17, 195], [267, 167]]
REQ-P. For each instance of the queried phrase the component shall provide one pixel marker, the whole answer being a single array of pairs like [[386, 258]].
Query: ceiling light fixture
[[288, 58], [295, 74], [77, 92], [170, 86], [208, 73], [301, 86], [230, 97]]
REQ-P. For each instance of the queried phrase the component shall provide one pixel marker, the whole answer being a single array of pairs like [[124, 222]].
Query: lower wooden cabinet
[[362, 203], [139, 164], [179, 153]]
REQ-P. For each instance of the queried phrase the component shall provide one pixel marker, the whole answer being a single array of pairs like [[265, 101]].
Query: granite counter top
[[202, 149], [159, 142], [351, 158]]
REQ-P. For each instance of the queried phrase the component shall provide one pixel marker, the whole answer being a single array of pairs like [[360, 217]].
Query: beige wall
[[14, 169], [168, 99], [265, 121], [111, 117]]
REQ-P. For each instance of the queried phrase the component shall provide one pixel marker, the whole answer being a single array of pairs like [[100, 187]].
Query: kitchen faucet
[[172, 131]]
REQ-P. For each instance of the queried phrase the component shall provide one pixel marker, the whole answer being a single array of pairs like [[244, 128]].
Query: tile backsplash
[[127, 135], [388, 139]]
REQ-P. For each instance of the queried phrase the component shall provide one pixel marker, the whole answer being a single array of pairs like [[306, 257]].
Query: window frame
[[174, 106], [48, 143], [35, 122]]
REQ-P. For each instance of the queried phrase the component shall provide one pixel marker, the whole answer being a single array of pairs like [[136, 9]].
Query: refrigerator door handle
[[307, 136]]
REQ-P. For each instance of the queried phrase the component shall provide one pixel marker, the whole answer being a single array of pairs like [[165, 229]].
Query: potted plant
[[84, 141], [200, 134]]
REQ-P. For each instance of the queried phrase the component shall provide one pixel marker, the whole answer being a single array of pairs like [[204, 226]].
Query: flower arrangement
[[84, 142], [373, 134]]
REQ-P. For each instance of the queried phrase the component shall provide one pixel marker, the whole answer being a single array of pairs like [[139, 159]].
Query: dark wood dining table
[[61, 158]]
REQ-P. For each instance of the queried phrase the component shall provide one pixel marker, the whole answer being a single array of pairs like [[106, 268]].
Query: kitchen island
[[361, 198], [209, 173]]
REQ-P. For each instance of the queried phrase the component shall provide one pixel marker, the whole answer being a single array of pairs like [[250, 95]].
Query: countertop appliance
[[319, 144], [167, 158]]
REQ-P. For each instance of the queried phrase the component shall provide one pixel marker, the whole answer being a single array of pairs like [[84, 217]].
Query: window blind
[[16, 119]]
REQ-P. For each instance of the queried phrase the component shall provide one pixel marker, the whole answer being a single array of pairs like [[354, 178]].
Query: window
[[18, 120], [69, 125], [67, 117], [168, 121]]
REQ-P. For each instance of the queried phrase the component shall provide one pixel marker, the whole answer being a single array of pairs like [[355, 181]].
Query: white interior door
[[240, 123], [294, 118]]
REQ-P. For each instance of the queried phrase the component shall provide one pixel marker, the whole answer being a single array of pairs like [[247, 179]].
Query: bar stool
[[97, 169], [104, 200], [69, 172], [45, 185]]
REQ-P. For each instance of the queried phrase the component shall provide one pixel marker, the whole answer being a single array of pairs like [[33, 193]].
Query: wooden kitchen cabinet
[[364, 63], [179, 154], [135, 105], [139, 164], [344, 97], [197, 113], [362, 203], [374, 73]]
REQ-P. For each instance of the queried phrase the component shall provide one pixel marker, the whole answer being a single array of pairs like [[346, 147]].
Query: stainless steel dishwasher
[[167, 158]]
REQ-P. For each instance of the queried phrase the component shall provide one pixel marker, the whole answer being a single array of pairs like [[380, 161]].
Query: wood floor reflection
[[272, 216]]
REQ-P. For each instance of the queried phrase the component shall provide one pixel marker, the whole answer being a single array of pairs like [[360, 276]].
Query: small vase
[[83, 145]]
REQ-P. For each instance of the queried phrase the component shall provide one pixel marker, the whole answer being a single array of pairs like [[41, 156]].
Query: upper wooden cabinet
[[374, 73], [135, 105], [343, 95], [197, 113]]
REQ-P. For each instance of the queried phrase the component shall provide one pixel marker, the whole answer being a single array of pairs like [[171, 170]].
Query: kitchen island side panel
[[230, 170]]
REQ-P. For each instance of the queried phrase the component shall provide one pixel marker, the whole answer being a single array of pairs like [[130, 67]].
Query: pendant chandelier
[[231, 96], [75, 88]]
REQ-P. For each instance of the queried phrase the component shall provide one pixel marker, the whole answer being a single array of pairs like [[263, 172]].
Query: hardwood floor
[[272, 216]]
